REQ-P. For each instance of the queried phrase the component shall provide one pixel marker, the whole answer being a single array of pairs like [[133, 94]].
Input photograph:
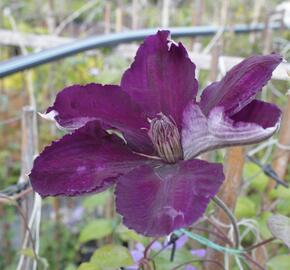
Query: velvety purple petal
[[76, 105], [162, 77], [87, 160], [259, 112], [155, 201], [240, 85], [256, 122]]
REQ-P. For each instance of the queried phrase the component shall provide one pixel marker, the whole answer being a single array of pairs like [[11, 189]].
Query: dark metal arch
[[21, 63]]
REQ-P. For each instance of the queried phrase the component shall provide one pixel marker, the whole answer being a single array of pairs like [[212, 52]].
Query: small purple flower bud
[[198, 252], [166, 138]]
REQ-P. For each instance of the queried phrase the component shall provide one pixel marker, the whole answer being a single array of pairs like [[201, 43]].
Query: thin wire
[[261, 146], [28, 230], [214, 40], [74, 15]]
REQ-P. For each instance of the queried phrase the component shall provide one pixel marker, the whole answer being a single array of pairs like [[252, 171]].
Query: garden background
[[63, 233]]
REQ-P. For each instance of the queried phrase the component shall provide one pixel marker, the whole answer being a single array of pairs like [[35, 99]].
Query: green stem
[[261, 243], [231, 216]]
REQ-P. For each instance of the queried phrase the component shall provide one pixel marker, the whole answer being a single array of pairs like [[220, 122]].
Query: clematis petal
[[256, 122], [76, 105], [262, 113], [240, 85], [161, 79], [154, 201], [87, 160]]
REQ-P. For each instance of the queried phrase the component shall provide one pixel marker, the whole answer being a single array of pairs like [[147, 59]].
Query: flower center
[[166, 138]]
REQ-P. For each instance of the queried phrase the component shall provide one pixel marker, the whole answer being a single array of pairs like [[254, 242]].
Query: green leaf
[[88, 266], [280, 227], [112, 257], [28, 252], [95, 230], [163, 262], [126, 235], [283, 206], [245, 208], [71, 266], [280, 262], [91, 202], [263, 227], [280, 192], [44, 263], [253, 173]]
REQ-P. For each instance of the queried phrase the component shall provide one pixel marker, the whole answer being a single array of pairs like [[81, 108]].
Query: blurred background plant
[[85, 233]]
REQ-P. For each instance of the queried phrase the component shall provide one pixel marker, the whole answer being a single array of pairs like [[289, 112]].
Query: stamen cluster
[[166, 138]]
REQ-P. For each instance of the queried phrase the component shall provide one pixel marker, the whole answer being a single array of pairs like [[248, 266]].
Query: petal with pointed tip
[[82, 162], [161, 79], [240, 85], [254, 123], [76, 105]]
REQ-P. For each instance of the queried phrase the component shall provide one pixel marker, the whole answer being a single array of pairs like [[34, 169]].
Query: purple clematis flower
[[160, 187]]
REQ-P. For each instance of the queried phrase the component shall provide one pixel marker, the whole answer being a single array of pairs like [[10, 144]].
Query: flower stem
[[261, 243], [249, 258], [231, 216], [146, 251]]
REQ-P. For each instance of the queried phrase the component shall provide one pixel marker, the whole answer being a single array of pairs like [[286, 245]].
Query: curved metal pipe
[[20, 63]]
